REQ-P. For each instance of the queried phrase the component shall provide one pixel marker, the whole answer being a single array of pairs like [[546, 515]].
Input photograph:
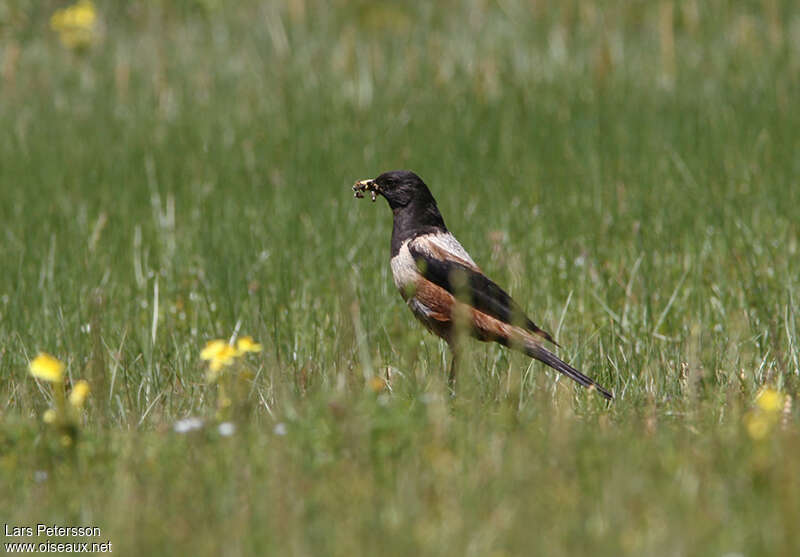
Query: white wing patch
[[449, 243], [444, 246]]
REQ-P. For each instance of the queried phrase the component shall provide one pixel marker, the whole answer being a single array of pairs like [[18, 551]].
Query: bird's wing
[[446, 246], [463, 279]]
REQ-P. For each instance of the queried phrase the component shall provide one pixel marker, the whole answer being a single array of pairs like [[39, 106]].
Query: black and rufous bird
[[443, 286]]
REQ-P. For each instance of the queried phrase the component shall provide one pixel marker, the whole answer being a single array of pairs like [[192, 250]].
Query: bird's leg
[[451, 377]]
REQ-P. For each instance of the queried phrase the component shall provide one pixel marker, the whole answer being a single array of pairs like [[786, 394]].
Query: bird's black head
[[414, 208], [401, 188]]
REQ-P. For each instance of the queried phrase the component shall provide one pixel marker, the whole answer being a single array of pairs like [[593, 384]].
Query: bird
[[442, 285]]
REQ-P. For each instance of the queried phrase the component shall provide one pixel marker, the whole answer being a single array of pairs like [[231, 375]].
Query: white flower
[[187, 424]]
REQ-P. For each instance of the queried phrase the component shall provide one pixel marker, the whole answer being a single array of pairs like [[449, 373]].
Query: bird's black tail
[[540, 353]]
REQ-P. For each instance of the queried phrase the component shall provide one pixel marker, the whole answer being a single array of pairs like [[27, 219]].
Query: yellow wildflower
[[224, 357], [79, 393], [219, 354], [247, 344], [762, 419], [770, 400], [48, 368], [212, 348], [75, 24], [49, 416]]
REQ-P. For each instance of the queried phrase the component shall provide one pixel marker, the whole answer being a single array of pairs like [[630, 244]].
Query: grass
[[627, 170]]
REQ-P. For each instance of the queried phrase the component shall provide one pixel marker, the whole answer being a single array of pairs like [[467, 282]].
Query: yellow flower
[[212, 348], [760, 421], [770, 400], [79, 393], [75, 24], [224, 357], [247, 344], [219, 354], [49, 416], [46, 367]]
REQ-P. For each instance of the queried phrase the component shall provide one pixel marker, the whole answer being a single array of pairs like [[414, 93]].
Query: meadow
[[179, 171]]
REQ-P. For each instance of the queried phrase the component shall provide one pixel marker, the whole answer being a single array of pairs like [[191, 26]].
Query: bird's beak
[[366, 185]]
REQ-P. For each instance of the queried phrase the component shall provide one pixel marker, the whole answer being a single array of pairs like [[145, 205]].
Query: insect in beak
[[366, 186]]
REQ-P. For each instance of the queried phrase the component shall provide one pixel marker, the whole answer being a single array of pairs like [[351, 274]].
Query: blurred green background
[[627, 170]]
